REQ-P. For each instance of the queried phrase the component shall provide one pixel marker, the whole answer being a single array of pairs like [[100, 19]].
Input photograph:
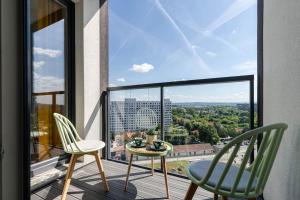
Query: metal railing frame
[[161, 86]]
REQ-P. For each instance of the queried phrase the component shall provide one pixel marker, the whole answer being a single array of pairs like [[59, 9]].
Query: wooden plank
[[116, 188], [175, 182], [80, 193], [87, 184], [35, 197], [137, 187], [51, 192], [148, 183]]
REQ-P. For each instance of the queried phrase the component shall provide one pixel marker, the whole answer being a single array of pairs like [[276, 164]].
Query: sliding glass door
[[51, 77]]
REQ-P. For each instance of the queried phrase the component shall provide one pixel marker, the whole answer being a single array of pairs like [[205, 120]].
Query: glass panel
[[48, 30], [132, 113], [204, 119]]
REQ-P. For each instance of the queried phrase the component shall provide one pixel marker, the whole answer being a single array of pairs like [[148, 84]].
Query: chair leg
[[216, 196], [69, 176], [224, 198], [101, 170], [191, 191]]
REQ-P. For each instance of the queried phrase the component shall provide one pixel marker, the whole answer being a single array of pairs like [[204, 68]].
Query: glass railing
[[198, 117], [44, 137]]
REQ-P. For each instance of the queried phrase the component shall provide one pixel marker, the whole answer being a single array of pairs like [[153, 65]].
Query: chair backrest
[[68, 134], [261, 166]]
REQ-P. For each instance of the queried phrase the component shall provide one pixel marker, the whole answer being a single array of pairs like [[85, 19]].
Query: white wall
[[89, 73], [282, 93]]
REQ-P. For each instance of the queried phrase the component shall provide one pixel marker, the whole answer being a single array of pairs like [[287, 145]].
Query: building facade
[[133, 115]]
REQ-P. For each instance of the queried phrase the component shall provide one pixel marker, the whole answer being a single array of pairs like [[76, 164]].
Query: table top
[[145, 151]]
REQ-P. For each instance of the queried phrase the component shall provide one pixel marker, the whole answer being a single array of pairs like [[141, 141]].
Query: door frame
[[27, 89]]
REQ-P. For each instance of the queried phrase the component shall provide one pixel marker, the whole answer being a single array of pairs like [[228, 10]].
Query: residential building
[[133, 115]]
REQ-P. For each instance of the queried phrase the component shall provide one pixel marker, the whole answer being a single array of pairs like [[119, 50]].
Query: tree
[[221, 130], [188, 125], [157, 128], [231, 132], [208, 133]]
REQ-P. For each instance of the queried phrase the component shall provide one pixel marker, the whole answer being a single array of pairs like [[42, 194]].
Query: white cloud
[[52, 53], [247, 67], [38, 64], [233, 32], [112, 85], [47, 83], [143, 68], [121, 79], [211, 54]]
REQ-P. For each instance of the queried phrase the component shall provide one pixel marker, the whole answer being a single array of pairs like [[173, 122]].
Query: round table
[[147, 152]]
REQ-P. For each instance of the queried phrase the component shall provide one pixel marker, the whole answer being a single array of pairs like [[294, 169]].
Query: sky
[[167, 40], [48, 61], [154, 41]]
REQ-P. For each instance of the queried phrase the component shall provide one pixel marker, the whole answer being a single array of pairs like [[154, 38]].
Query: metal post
[[252, 111], [106, 128], [53, 94], [162, 137]]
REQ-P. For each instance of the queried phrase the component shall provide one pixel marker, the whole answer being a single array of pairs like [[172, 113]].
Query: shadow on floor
[[83, 190]]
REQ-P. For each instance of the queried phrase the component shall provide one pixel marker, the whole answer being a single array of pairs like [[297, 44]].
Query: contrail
[[119, 49], [238, 7], [134, 31], [184, 38]]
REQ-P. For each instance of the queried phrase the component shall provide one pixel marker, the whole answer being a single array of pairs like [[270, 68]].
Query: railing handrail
[[47, 93], [185, 82]]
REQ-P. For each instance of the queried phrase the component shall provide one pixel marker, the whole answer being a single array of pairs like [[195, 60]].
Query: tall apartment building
[[133, 115]]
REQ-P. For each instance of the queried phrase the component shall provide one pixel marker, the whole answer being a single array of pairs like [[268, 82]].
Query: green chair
[[74, 145], [244, 182]]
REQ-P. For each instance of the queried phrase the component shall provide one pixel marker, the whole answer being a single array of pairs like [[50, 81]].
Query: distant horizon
[[188, 102]]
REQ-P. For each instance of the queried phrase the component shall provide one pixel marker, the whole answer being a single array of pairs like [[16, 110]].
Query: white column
[[91, 75], [282, 93]]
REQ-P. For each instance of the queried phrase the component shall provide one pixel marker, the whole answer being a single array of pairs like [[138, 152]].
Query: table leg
[[165, 174], [152, 166], [128, 172]]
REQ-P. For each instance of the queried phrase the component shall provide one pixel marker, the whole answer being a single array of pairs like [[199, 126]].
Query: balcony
[[127, 118], [38, 41], [86, 184]]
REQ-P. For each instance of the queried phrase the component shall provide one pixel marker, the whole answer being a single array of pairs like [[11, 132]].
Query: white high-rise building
[[133, 115]]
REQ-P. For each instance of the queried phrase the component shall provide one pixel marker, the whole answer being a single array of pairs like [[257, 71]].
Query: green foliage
[[208, 133], [208, 124], [151, 132]]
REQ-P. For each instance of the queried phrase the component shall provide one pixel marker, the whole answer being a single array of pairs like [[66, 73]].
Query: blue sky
[[167, 40], [48, 61], [48, 58]]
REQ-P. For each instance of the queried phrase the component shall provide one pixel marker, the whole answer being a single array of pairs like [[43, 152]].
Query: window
[[172, 40], [51, 75]]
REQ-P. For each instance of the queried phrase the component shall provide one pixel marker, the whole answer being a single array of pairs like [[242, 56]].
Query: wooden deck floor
[[86, 184]]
